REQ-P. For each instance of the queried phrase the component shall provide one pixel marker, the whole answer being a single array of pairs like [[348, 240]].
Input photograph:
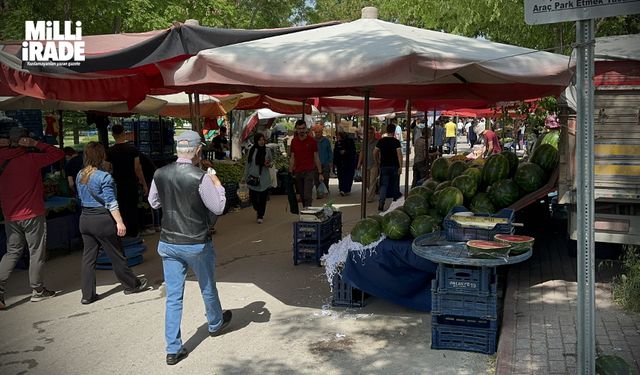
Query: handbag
[[273, 174], [253, 181]]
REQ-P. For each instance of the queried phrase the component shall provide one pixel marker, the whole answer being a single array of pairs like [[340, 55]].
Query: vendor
[[72, 166], [220, 144]]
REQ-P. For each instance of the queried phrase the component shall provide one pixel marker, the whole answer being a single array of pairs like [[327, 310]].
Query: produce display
[[366, 231], [395, 224], [612, 365], [228, 171], [488, 249], [519, 244]]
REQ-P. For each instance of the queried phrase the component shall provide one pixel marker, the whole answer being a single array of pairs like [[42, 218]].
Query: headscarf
[[260, 151]]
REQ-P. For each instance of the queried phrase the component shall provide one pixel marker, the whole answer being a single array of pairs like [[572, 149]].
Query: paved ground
[[282, 321], [539, 325]]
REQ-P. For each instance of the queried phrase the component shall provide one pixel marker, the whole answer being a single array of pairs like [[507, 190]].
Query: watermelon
[[426, 193], [495, 169], [467, 185], [513, 162], [423, 224], [487, 249], [433, 212], [377, 218], [430, 183], [448, 198], [529, 177], [474, 172], [415, 205], [395, 224], [440, 169], [612, 365], [443, 185], [519, 244], [366, 231], [504, 193], [479, 162], [456, 168], [481, 204], [546, 157], [551, 138]]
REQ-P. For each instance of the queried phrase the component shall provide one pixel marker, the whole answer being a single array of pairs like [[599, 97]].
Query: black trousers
[[128, 205], [98, 229], [259, 201]]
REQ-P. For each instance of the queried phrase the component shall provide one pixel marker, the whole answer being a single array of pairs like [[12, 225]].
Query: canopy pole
[[197, 112], [365, 162], [407, 150], [191, 114], [427, 138]]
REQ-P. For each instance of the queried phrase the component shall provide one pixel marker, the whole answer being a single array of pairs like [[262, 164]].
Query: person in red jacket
[[21, 198]]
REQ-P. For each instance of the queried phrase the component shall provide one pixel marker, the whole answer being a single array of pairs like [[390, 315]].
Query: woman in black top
[[344, 158]]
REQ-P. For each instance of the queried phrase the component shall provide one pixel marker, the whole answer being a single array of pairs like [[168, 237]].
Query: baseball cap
[[479, 128], [188, 138]]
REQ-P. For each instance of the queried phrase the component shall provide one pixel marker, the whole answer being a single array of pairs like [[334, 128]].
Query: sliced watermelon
[[519, 244], [488, 249]]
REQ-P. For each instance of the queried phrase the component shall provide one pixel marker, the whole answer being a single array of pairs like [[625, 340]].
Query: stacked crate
[[311, 240], [344, 294], [465, 309]]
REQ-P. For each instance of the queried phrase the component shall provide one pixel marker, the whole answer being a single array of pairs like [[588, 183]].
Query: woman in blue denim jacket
[[101, 225]]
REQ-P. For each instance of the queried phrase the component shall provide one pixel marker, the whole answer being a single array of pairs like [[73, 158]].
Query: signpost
[[584, 12]]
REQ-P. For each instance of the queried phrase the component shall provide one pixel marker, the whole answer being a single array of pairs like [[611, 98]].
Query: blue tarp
[[394, 273]]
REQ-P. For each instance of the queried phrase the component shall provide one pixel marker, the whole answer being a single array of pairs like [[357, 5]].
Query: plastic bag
[[273, 173], [322, 189], [243, 193], [357, 177]]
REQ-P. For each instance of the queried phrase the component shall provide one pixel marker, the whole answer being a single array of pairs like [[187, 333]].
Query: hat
[[16, 133], [479, 129], [188, 138]]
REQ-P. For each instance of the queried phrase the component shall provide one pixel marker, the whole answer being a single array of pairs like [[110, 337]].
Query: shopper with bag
[[257, 176]]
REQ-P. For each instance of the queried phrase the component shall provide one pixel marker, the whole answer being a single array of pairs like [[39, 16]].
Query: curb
[[506, 344]]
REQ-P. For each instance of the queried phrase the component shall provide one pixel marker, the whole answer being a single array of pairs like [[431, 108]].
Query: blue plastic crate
[[485, 307], [309, 251], [346, 295], [455, 232], [454, 279], [463, 333], [313, 231], [134, 261]]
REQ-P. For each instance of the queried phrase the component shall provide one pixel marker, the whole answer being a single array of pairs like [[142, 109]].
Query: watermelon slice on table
[[488, 249], [519, 244]]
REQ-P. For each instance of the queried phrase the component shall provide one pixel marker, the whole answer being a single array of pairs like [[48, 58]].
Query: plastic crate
[[309, 251], [134, 261], [313, 231], [346, 295], [485, 307], [454, 279], [464, 333], [456, 232]]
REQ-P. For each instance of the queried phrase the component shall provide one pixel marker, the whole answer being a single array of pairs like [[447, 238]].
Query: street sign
[[537, 12]]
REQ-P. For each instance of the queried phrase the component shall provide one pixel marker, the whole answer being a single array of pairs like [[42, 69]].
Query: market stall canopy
[[389, 60], [354, 105], [149, 106], [266, 114], [177, 105], [118, 52]]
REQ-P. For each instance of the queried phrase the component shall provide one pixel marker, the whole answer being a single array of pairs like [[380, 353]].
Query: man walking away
[[450, 129], [325, 153], [388, 153], [21, 193], [304, 162], [72, 166], [220, 144], [127, 173], [188, 196]]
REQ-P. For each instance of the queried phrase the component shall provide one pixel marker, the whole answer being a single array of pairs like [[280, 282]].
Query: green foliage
[[626, 289]]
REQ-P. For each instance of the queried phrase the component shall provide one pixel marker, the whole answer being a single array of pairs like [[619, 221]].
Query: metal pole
[[197, 112], [407, 150], [191, 114], [365, 161], [585, 201]]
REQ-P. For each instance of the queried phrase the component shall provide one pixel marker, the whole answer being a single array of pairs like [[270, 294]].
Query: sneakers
[[173, 359], [342, 193], [142, 286], [226, 319], [260, 221], [380, 207], [44, 293], [91, 300]]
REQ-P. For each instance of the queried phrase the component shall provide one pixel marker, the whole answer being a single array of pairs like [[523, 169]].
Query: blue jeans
[[175, 260], [389, 183]]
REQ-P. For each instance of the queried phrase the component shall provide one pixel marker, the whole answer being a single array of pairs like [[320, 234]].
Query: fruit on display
[[488, 249], [377, 218], [476, 173], [395, 224], [430, 183], [481, 204], [612, 365], [467, 185], [423, 224], [546, 156], [513, 162], [416, 205], [519, 244], [495, 169], [443, 185], [366, 231], [529, 177], [504, 193], [551, 138], [440, 169], [447, 198], [425, 192], [456, 168]]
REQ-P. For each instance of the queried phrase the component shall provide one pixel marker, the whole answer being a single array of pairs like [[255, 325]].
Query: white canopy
[[149, 106]]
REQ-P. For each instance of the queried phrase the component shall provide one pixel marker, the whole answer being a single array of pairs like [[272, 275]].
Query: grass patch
[[626, 288]]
